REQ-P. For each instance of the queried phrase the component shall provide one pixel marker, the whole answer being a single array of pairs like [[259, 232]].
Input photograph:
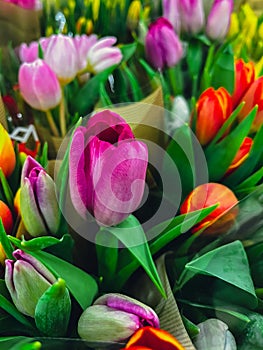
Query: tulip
[[83, 43], [26, 279], [102, 55], [38, 202], [241, 155], [62, 57], [192, 15], [153, 339], [218, 20], [171, 12], [7, 153], [133, 15], [115, 317], [27, 4], [6, 217], [29, 53], [253, 97], [213, 108], [17, 202], [209, 194], [162, 45], [107, 169], [39, 85], [244, 77]]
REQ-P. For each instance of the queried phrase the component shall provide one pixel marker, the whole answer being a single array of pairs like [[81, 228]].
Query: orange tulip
[[244, 77], [253, 96], [207, 195], [241, 155], [153, 339], [213, 108], [7, 153], [6, 216]]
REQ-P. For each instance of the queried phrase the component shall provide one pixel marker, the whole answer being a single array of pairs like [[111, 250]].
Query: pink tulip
[[27, 4], [39, 85], [192, 15], [29, 53], [62, 56], [102, 55], [83, 43], [218, 20], [172, 13], [162, 45], [107, 169]]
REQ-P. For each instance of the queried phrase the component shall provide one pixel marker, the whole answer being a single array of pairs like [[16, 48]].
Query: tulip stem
[[62, 120], [52, 124]]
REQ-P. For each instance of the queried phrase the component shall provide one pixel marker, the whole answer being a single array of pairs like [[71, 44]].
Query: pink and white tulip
[[218, 20], [83, 44], [171, 11], [192, 16], [29, 52]]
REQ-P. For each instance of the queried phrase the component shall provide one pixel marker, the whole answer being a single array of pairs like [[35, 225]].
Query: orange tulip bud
[[244, 77], [153, 339], [6, 216], [241, 155], [213, 108], [7, 153], [253, 96], [207, 195]]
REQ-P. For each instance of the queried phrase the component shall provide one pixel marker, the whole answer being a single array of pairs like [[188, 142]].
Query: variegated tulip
[[6, 216], [241, 155], [244, 77], [7, 153]]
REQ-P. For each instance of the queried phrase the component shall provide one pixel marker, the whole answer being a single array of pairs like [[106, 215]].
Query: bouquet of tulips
[[143, 233]]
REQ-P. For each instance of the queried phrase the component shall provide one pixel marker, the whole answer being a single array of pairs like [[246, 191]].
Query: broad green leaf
[[15, 343], [40, 243], [251, 338], [194, 57], [5, 242], [251, 180], [53, 310], [131, 234], [128, 51], [81, 285]]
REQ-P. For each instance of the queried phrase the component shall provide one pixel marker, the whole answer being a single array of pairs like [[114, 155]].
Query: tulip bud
[[7, 153], [117, 315], [39, 85], [253, 97], [162, 45], [62, 57], [133, 15], [102, 55], [26, 279], [209, 194], [244, 77], [241, 155], [192, 15], [218, 20], [83, 43], [213, 108], [171, 11], [29, 53], [38, 202], [107, 169], [6, 216]]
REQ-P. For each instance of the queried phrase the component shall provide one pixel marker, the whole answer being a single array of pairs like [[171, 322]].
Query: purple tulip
[[118, 315], [29, 53], [83, 43], [38, 203], [102, 55], [162, 45], [107, 169], [218, 20], [192, 15], [39, 85], [171, 11], [26, 279], [61, 55]]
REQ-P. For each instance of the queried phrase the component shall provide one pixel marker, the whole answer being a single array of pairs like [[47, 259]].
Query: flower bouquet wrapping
[[145, 229]]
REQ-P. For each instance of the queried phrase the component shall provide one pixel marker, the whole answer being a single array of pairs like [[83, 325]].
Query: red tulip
[[153, 339], [241, 155], [207, 195], [253, 97], [244, 77], [213, 108], [6, 216]]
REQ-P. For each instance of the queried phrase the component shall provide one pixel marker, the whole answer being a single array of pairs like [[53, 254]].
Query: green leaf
[[251, 180], [194, 57], [53, 310], [81, 285], [7, 190], [5, 242], [128, 50], [131, 234], [17, 343], [40, 243], [43, 157]]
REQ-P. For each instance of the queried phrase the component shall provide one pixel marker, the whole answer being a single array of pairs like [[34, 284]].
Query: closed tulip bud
[[171, 11], [213, 108], [150, 338], [209, 194], [107, 169], [244, 77], [133, 15], [6, 217], [29, 53], [26, 279], [253, 97], [39, 85], [241, 155], [218, 20], [83, 43], [103, 55], [118, 316], [7, 153], [192, 16], [162, 45], [62, 57], [38, 202]]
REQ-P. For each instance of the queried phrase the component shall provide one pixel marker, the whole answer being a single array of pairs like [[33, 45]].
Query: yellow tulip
[[133, 15], [259, 67], [234, 25], [7, 153]]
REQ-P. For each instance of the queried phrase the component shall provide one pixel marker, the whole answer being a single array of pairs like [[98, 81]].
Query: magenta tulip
[[83, 43], [218, 20], [27, 4], [107, 169], [39, 85], [162, 45], [192, 15]]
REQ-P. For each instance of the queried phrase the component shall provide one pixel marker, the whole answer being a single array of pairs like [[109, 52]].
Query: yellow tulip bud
[[234, 25], [133, 14]]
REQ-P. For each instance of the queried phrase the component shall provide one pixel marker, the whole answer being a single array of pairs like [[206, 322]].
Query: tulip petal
[[7, 153], [29, 164]]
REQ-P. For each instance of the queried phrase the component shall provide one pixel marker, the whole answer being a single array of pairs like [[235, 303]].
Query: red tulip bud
[[6, 216], [244, 77], [241, 155]]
